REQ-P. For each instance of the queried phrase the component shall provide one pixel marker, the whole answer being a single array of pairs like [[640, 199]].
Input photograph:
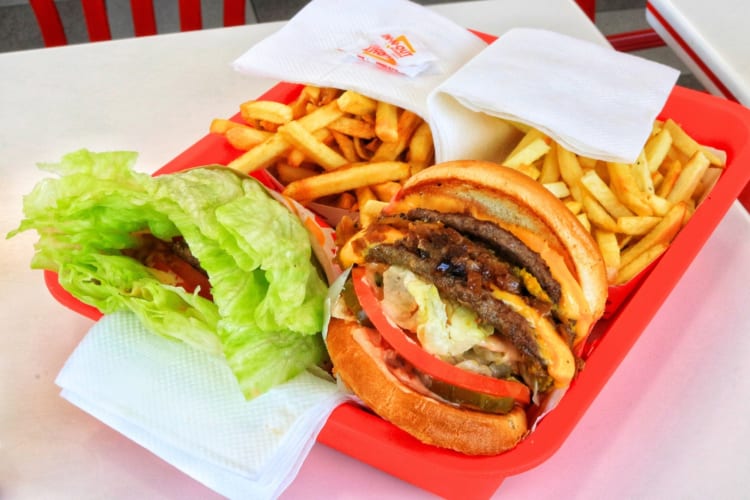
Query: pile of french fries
[[345, 150], [334, 147], [634, 211]]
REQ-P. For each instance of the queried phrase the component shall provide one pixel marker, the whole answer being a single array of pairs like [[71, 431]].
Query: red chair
[[144, 18], [627, 41]]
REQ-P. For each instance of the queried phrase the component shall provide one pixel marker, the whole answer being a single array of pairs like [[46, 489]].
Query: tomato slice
[[188, 277], [426, 362]]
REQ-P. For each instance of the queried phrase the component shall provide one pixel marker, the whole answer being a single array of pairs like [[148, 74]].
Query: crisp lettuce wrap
[[266, 311]]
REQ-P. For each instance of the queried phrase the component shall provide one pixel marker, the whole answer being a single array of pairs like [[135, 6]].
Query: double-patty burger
[[465, 305]]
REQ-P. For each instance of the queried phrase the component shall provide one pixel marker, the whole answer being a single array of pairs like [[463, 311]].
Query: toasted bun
[[357, 356], [516, 202]]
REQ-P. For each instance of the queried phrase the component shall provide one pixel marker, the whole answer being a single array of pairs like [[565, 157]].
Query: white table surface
[[716, 32], [671, 423]]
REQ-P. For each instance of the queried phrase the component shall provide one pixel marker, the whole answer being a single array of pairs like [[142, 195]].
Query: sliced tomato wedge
[[426, 362]]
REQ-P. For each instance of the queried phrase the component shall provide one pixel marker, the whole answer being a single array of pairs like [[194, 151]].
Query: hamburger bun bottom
[[358, 361]]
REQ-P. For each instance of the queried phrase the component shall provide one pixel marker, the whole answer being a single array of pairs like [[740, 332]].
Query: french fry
[[386, 121], [353, 127], [407, 124], [689, 178], [345, 201], [221, 125], [610, 250], [630, 270], [604, 195], [642, 175], [624, 184], [584, 220], [559, 189], [656, 149], [531, 151], [550, 171], [570, 171], [597, 214], [421, 148], [270, 111], [573, 205], [636, 224], [347, 178], [346, 146], [243, 137], [709, 179], [261, 156], [295, 157], [386, 190], [356, 104], [662, 233], [688, 145], [370, 211], [361, 148], [287, 173], [321, 117], [313, 148], [671, 172], [364, 195]]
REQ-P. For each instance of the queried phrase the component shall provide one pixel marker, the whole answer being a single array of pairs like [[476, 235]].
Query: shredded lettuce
[[267, 310]]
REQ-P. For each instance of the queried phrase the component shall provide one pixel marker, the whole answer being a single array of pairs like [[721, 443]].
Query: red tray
[[357, 432]]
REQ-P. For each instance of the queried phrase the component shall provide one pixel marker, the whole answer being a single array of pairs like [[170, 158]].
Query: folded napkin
[[391, 50], [185, 406], [594, 100]]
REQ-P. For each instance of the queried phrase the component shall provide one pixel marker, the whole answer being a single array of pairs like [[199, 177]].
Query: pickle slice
[[470, 399]]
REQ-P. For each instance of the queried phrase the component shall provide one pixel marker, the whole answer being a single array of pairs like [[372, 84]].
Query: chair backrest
[[144, 18]]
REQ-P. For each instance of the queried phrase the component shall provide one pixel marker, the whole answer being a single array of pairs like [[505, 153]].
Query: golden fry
[[570, 171], [625, 185], [243, 137], [604, 195], [672, 171], [287, 173], [261, 156], [636, 224], [559, 189], [663, 232], [353, 127], [421, 148], [630, 270], [610, 249], [528, 151], [356, 104], [689, 178], [313, 148], [270, 111], [656, 149], [597, 214], [347, 178], [386, 190], [689, 146], [221, 125], [386, 121], [550, 171], [407, 124]]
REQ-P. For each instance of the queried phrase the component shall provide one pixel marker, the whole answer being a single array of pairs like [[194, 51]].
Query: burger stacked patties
[[467, 300]]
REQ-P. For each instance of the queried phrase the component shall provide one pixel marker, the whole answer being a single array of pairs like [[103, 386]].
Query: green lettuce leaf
[[267, 308]]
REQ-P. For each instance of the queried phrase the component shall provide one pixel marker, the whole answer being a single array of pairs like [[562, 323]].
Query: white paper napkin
[[592, 99], [185, 406], [319, 45]]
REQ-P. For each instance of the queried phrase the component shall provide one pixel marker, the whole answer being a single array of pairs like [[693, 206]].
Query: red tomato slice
[[426, 362], [188, 277]]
